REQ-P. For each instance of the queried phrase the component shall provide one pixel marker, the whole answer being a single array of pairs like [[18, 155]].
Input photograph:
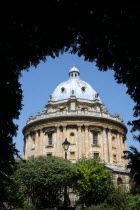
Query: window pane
[[96, 155], [50, 139], [49, 154], [95, 138]]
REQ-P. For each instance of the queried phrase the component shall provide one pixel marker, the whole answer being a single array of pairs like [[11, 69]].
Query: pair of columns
[[108, 147], [105, 142], [59, 141]]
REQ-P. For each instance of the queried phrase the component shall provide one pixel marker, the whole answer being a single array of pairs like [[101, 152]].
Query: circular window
[[72, 134], [83, 89], [62, 89]]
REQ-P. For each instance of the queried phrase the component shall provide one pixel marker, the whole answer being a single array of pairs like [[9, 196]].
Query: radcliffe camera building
[[76, 113]]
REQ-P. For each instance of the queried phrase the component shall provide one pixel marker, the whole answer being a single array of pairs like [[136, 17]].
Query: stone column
[[36, 143], [121, 146], [125, 148], [105, 150], [118, 149], [30, 144], [64, 133], [79, 141], [110, 146], [41, 149], [44, 141], [86, 140], [100, 143], [64, 137], [25, 145], [57, 141]]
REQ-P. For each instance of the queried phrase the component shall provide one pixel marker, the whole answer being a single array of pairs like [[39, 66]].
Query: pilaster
[[25, 146], [30, 144], [125, 149], [57, 140], [110, 146], [86, 141], [122, 149], [62, 140], [119, 148], [105, 150], [36, 143], [79, 141], [41, 142]]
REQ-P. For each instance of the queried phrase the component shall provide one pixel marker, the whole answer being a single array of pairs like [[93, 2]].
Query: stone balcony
[[85, 113]]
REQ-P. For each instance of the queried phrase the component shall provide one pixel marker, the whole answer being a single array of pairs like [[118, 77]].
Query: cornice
[[111, 124]]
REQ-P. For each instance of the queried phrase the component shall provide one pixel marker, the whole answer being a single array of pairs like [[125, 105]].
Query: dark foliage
[[134, 164], [117, 199], [42, 180], [102, 31]]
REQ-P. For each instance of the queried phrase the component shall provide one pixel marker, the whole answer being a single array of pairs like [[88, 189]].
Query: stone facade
[[86, 124]]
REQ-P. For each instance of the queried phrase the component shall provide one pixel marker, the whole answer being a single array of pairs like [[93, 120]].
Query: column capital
[[109, 130], [119, 133], [79, 126], [57, 126], [86, 140], [32, 133], [42, 130], [86, 126], [38, 131], [64, 126], [104, 128], [114, 131]]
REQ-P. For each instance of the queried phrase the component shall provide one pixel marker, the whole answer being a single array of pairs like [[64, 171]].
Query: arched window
[[120, 182]]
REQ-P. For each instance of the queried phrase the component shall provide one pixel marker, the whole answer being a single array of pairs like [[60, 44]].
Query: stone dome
[[74, 87]]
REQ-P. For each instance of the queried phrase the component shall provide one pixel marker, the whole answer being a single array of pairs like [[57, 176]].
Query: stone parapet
[[74, 113]]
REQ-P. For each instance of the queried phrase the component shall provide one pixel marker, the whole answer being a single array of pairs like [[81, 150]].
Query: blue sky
[[38, 83]]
